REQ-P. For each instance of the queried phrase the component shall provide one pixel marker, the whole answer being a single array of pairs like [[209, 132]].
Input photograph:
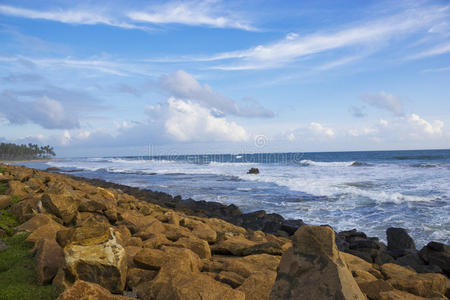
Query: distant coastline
[[29, 160]]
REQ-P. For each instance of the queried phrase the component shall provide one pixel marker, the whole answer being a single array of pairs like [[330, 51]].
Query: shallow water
[[370, 191]]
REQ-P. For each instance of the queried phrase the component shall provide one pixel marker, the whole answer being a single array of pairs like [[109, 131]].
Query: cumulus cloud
[[384, 101], [183, 85], [46, 112], [434, 128], [321, 130], [187, 121]]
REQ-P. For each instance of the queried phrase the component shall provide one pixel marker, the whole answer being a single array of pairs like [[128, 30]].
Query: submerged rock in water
[[253, 171], [314, 269]]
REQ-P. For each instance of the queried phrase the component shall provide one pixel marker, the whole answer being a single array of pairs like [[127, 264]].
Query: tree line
[[9, 151]]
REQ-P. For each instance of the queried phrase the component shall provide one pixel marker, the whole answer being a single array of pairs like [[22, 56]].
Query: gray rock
[[399, 239]]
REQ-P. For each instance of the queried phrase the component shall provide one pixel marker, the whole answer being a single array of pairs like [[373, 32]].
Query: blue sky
[[119, 77]]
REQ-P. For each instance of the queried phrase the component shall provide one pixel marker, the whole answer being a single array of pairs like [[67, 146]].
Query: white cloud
[[321, 130], [437, 50], [194, 13], [361, 132], [384, 101], [434, 128], [69, 16], [384, 123], [183, 85], [374, 34], [46, 112], [186, 121]]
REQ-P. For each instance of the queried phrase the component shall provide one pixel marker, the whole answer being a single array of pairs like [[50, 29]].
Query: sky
[[103, 78]]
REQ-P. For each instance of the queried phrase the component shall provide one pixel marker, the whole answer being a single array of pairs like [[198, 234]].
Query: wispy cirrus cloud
[[437, 50], [190, 13], [374, 35], [68, 16], [193, 13]]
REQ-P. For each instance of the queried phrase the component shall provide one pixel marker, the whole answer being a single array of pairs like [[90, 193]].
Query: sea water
[[370, 191]]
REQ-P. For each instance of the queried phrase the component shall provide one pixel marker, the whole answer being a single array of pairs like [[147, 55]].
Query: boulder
[[235, 245], [314, 269], [253, 171], [399, 239], [61, 205], [232, 279], [5, 201], [96, 260], [84, 235], [45, 232], [83, 290], [258, 285], [405, 279], [437, 254], [136, 276], [26, 208], [17, 188], [35, 222], [196, 245], [48, 259]]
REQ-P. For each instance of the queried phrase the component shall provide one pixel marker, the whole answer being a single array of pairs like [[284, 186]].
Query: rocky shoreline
[[110, 241]]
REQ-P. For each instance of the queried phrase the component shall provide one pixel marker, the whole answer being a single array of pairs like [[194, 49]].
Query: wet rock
[[399, 239], [414, 261], [314, 269], [88, 290], [253, 171], [437, 254], [48, 259]]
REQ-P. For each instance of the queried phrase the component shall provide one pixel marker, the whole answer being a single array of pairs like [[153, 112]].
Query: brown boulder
[[198, 246], [17, 188], [45, 232], [83, 290], [5, 201], [232, 279], [26, 208], [35, 222], [314, 269], [63, 206], [234, 245], [48, 259], [355, 263], [96, 261], [136, 276], [131, 252], [84, 236], [258, 285], [156, 241], [405, 279]]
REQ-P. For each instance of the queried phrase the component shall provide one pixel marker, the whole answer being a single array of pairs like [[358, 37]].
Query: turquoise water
[[369, 191]]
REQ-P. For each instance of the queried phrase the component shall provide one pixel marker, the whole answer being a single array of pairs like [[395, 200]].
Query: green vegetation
[[15, 199], [1, 169], [10, 151], [7, 221], [17, 275], [3, 187]]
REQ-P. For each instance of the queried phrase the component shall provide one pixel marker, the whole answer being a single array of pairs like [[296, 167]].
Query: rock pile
[[102, 243]]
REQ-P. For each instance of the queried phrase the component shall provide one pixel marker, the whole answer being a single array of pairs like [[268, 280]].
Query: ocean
[[370, 191]]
